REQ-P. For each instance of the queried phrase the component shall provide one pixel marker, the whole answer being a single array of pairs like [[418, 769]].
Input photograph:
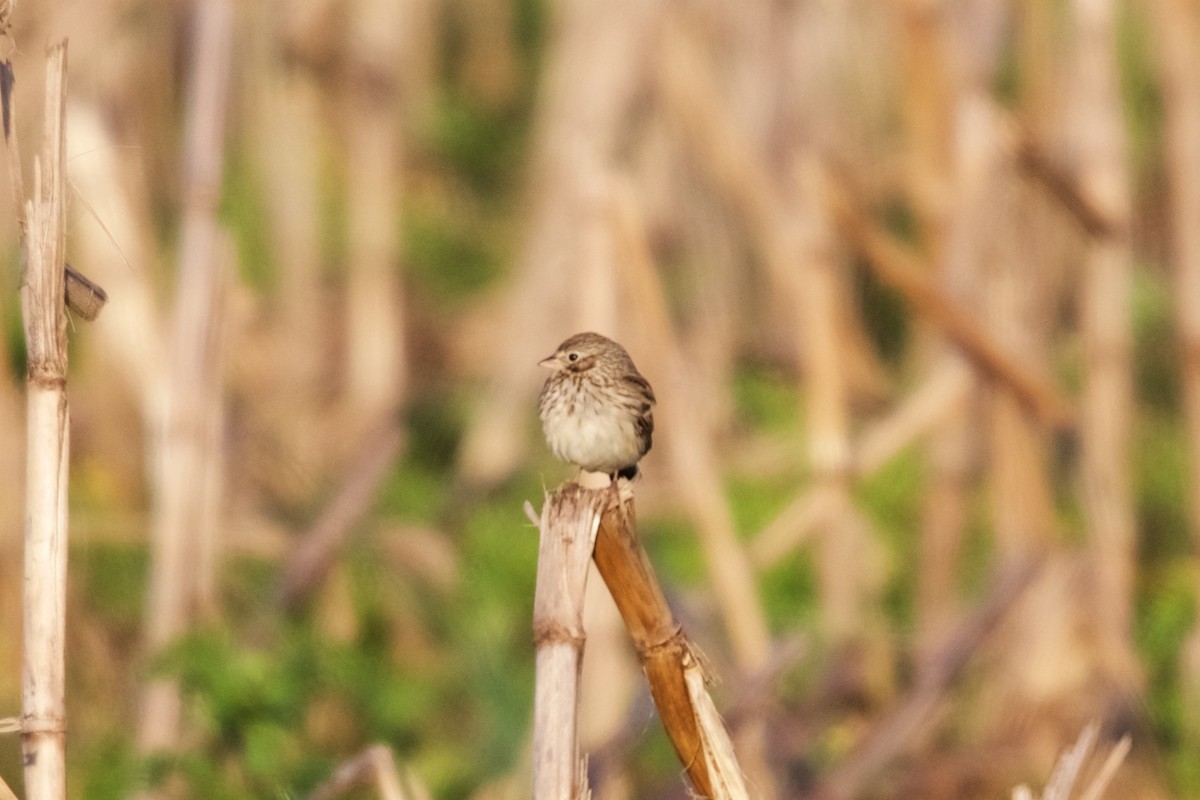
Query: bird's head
[[581, 352]]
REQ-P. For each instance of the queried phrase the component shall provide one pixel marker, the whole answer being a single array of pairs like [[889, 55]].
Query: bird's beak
[[549, 362]]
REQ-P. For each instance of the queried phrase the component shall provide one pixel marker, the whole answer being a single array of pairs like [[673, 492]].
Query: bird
[[597, 410]]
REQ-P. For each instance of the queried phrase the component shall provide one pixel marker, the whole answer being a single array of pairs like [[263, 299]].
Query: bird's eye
[[573, 357]]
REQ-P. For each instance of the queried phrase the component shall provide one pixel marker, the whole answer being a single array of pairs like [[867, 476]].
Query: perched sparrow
[[596, 408]]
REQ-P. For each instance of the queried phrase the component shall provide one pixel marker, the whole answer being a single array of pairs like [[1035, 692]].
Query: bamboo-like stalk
[[841, 550], [927, 118], [673, 669], [1106, 323], [1016, 290], [569, 523], [184, 520], [290, 135], [43, 719], [929, 98], [376, 371]]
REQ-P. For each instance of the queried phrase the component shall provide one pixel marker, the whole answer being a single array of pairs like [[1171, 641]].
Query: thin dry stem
[[43, 720], [674, 672], [1106, 285], [185, 511], [1108, 769], [376, 354], [569, 523], [1069, 768], [1066, 771]]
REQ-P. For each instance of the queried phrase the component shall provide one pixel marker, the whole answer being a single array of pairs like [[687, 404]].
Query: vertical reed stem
[[43, 720]]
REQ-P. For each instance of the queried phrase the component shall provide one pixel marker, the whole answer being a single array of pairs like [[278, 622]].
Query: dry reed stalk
[[289, 137], [732, 165], [944, 514], [376, 368], [1106, 408], [184, 522], [43, 717], [595, 295], [988, 238], [926, 115], [928, 106], [673, 668], [1016, 288], [843, 582], [974, 168], [568, 526], [375, 765]]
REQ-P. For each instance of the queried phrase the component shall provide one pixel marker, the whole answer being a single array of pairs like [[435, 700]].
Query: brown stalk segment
[[658, 638]]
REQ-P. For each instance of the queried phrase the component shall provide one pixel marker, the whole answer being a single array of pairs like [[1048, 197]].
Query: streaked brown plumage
[[596, 408]]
